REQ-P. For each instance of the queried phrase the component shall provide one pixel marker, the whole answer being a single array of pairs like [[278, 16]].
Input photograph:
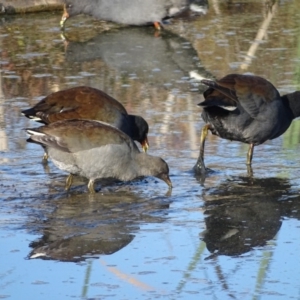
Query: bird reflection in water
[[244, 213], [79, 229]]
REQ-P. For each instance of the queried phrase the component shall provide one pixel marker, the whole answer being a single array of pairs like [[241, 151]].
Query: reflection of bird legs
[[199, 168], [249, 171], [45, 166], [158, 28], [65, 41]]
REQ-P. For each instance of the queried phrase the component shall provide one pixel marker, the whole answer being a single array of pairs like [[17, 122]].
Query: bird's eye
[[69, 5]]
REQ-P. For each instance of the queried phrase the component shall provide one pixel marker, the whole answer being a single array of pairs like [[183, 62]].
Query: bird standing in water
[[96, 150], [128, 12], [245, 108]]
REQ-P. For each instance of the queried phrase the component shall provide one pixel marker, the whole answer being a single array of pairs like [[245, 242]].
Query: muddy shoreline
[[29, 6]]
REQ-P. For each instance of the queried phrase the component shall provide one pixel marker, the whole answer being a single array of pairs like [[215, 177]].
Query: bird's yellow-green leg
[[45, 156], [69, 181], [200, 166], [91, 186], [249, 171], [250, 154], [204, 133], [157, 26]]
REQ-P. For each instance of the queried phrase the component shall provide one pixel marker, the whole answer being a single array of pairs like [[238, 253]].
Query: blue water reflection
[[229, 237]]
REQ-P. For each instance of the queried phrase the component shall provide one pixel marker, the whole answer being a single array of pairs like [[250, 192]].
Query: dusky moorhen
[[129, 12], [94, 150], [245, 108], [85, 102]]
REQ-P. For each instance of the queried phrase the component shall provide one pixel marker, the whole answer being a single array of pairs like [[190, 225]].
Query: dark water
[[231, 237]]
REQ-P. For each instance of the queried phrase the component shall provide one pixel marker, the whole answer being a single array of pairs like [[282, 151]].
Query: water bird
[[128, 12], [245, 108], [85, 102], [95, 150]]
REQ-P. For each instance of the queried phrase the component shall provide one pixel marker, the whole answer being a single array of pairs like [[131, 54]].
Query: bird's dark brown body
[[245, 108], [88, 103]]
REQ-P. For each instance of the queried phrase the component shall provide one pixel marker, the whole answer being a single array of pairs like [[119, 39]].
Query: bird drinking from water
[[96, 150]]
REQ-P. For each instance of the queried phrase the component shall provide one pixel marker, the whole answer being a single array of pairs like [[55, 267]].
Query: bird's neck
[[138, 126], [292, 100], [146, 164]]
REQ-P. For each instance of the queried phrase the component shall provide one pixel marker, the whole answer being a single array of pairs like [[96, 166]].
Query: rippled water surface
[[233, 236]]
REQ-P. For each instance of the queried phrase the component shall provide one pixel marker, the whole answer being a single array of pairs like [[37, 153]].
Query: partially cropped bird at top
[[95, 150], [128, 12], [245, 108], [85, 102]]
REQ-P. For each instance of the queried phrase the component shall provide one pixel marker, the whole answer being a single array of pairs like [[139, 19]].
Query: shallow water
[[232, 237]]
